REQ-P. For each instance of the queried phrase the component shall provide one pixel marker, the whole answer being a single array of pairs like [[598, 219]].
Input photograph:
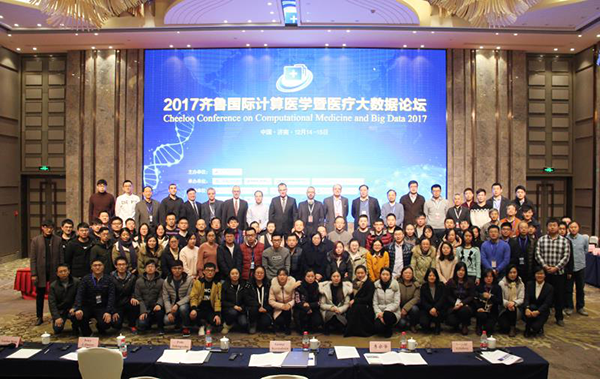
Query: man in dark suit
[[191, 209], [235, 207], [311, 212], [146, 211], [335, 206], [229, 254], [413, 203], [283, 211], [498, 201], [170, 204], [45, 256], [365, 204], [212, 207]]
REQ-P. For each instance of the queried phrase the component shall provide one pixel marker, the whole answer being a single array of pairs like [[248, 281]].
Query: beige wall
[[10, 153]]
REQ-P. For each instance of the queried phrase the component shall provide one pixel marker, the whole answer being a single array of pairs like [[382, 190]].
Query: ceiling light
[[273, 20], [171, 46], [414, 32], [243, 31], [556, 49], [62, 25], [247, 45], [344, 45], [18, 49], [497, 34], [579, 36], [76, 34], [572, 49], [265, 45], [110, 47], [326, 45], [35, 49], [347, 30], [422, 46], [10, 35], [497, 47], [224, 21], [329, 31], [189, 45], [271, 12], [515, 34], [403, 45], [1, 17], [178, 32], [39, 25], [432, 32], [249, 21], [269, 4], [95, 34], [93, 47], [262, 31], [17, 25], [481, 47]]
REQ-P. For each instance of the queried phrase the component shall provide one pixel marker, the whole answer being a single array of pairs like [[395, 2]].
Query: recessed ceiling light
[[572, 49], [347, 30], [189, 45], [76, 34], [344, 45], [265, 45], [515, 34], [556, 49], [10, 35], [262, 31], [247, 45], [18, 49], [224, 21], [481, 47], [39, 25], [171, 46], [93, 47], [432, 32], [269, 4], [326, 45], [498, 47], [110, 47], [597, 35], [414, 32], [178, 32], [271, 12], [329, 31], [422, 46], [497, 34], [17, 25], [250, 21], [579, 35], [35, 49], [273, 20], [1, 17], [95, 34], [62, 25], [403, 45]]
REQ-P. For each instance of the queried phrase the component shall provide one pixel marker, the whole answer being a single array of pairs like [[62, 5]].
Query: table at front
[[442, 363], [592, 269]]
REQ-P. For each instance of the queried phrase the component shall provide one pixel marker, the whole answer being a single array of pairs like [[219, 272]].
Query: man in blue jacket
[[495, 253]]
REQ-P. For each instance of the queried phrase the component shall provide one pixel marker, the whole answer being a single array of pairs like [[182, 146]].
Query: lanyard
[[310, 209], [523, 243], [261, 294], [458, 214], [149, 206]]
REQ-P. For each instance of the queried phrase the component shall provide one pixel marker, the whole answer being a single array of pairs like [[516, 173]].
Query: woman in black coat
[[260, 313], [488, 298], [537, 308], [360, 315], [460, 295], [314, 257], [234, 303], [339, 260], [307, 313], [433, 301]]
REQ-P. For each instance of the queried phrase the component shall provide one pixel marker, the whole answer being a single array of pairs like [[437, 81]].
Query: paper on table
[[172, 356], [195, 357], [390, 358], [412, 359], [71, 356], [373, 359], [501, 357], [24, 353], [346, 352], [267, 360], [312, 360]]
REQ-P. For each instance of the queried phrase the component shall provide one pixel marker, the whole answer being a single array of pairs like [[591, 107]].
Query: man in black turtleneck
[[170, 204]]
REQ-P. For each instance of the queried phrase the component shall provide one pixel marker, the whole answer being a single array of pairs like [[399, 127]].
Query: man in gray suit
[[146, 211], [335, 206], [311, 212], [212, 207], [283, 211]]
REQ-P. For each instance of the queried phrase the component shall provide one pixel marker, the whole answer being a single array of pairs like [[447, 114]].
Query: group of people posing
[[224, 265]]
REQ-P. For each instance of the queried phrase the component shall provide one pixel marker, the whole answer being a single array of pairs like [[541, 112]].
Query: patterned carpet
[[572, 350]]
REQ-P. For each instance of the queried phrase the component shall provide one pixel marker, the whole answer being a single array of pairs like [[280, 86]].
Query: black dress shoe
[[39, 321]]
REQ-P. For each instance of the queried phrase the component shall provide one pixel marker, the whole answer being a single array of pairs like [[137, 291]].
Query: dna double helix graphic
[[167, 155]]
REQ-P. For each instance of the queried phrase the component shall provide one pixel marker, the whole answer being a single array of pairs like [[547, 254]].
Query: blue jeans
[[182, 316]]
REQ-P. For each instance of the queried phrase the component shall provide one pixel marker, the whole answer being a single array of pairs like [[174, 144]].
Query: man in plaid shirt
[[552, 253]]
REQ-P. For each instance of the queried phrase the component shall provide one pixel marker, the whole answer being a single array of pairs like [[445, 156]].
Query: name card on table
[[7, 340], [180, 344], [280, 346], [88, 342], [462, 346], [380, 346]]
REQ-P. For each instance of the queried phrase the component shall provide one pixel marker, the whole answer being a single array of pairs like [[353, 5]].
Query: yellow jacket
[[198, 293], [375, 263]]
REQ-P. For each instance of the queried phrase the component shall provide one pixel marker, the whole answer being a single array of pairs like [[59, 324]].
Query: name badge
[[380, 346], [493, 264], [150, 218], [180, 344], [363, 212], [88, 342], [98, 299], [521, 260], [280, 346], [462, 346], [310, 218], [252, 265]]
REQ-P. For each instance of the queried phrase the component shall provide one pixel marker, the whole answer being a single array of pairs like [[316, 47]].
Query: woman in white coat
[[281, 298], [513, 296], [335, 300], [386, 303]]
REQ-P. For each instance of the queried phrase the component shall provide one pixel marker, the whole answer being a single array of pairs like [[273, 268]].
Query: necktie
[[283, 203], [195, 208], [235, 206]]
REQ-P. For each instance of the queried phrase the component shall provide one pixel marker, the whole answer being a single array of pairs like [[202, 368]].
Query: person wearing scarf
[[339, 260], [360, 312], [151, 250], [513, 296], [489, 298], [335, 300], [460, 291], [170, 256], [306, 308], [125, 247], [386, 303], [314, 256]]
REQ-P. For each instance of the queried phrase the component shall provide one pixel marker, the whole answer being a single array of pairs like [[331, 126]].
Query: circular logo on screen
[[294, 78]]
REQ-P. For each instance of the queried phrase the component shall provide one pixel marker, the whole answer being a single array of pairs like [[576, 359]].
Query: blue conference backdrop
[[306, 117]]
